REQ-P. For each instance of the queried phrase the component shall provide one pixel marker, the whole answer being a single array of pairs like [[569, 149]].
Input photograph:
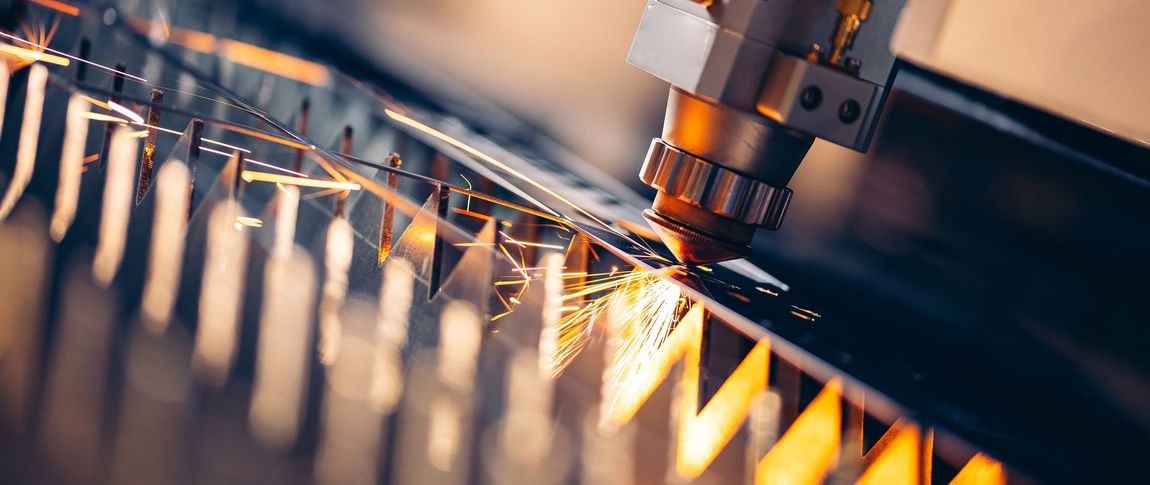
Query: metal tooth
[[777, 208], [696, 181], [712, 187], [729, 194]]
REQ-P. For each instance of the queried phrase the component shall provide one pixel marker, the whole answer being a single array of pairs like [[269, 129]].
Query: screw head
[[849, 111], [853, 65], [811, 97]]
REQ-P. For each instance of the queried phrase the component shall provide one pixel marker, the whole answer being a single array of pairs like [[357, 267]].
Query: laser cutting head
[[751, 88]]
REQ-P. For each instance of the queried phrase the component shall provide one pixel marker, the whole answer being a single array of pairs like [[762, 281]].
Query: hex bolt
[[811, 97], [849, 111]]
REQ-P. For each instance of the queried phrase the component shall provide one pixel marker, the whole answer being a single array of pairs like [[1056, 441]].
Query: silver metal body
[[753, 83], [750, 56]]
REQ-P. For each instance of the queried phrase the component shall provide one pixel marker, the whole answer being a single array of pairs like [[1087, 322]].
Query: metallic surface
[[742, 142], [789, 78], [720, 191], [693, 246], [751, 90], [852, 14]]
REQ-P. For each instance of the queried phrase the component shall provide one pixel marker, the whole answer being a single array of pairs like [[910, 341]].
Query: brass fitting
[[852, 14]]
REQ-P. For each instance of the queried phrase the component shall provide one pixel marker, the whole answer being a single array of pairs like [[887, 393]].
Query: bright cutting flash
[[58, 6], [251, 176], [132, 115], [105, 117], [33, 55], [74, 58], [249, 221]]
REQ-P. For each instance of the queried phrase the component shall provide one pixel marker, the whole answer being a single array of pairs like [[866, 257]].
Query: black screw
[[849, 111], [810, 98]]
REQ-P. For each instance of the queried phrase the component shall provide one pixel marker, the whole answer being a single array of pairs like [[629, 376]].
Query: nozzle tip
[[692, 246]]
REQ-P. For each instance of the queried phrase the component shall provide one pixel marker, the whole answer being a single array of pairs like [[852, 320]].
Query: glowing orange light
[[252, 176], [58, 6], [898, 459], [702, 434], [197, 41], [253, 56], [277, 63], [41, 47], [119, 108], [980, 470], [105, 117], [249, 221], [810, 448], [33, 55], [496, 163]]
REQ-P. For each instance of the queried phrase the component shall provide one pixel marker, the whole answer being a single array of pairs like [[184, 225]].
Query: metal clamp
[[707, 185]]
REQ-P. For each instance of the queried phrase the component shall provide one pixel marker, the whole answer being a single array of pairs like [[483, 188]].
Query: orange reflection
[[896, 459], [58, 6], [252, 176], [981, 470], [267, 60], [702, 434], [33, 55], [810, 448]]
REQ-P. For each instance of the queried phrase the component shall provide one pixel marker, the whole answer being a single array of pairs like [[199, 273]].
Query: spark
[[320, 194], [473, 244], [178, 133], [530, 244], [132, 115], [96, 102], [249, 221], [644, 307], [33, 55], [58, 6], [498, 164], [469, 187], [294, 174], [105, 117], [252, 176], [42, 35], [465, 212], [74, 58], [767, 291]]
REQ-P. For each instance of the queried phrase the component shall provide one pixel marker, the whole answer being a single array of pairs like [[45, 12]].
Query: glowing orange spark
[[249, 221], [251, 176], [33, 55], [273, 62], [104, 117], [74, 58], [496, 163], [980, 470], [58, 6], [132, 115]]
